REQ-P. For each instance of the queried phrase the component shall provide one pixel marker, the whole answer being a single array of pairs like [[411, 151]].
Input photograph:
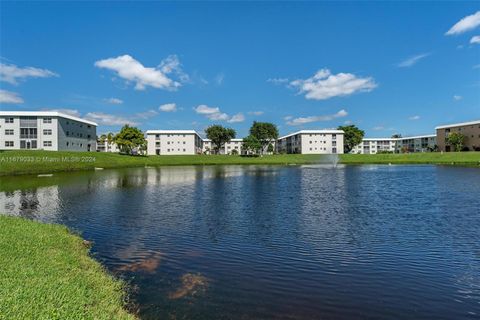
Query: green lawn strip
[[47, 273], [36, 161]]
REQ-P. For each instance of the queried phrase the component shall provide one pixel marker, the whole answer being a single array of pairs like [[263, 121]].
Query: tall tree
[[251, 145], [456, 140], [219, 136], [352, 137], [130, 139], [265, 133]]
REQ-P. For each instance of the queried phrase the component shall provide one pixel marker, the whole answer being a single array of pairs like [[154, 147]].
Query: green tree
[[352, 137], [270, 148], [130, 139], [265, 133], [456, 140], [102, 138], [219, 136], [251, 145]]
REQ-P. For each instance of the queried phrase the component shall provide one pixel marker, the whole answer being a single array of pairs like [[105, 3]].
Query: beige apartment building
[[311, 142], [423, 143], [231, 147], [470, 130], [173, 142]]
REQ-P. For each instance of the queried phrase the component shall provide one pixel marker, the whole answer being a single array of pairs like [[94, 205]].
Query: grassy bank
[[33, 162], [46, 273]]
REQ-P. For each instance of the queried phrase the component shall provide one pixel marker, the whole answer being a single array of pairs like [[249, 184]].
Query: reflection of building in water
[[42, 203]]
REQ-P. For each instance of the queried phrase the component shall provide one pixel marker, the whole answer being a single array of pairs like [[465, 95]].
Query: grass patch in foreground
[[46, 273]]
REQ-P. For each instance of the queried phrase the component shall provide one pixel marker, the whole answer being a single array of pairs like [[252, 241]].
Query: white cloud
[[347, 122], [378, 128], [477, 66], [324, 85], [256, 113], [466, 24], [277, 80], [10, 97], [412, 60], [287, 118], [416, 117], [109, 119], [168, 107], [113, 101], [126, 67], [12, 74], [457, 97], [475, 40], [239, 117], [219, 78], [304, 120], [214, 113], [146, 115]]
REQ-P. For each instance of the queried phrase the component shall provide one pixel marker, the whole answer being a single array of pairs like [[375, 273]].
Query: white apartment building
[[233, 146], [374, 145], [104, 146], [46, 130], [422, 143], [173, 142], [312, 142]]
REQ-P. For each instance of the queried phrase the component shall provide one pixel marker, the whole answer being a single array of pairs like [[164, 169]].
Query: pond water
[[292, 242]]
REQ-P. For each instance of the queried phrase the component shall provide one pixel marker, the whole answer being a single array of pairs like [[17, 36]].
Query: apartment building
[[231, 147], [470, 130], [105, 146], [46, 130], [311, 142], [173, 142], [375, 145], [423, 143]]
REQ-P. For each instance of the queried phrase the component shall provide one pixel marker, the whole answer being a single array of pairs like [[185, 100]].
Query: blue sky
[[388, 67]]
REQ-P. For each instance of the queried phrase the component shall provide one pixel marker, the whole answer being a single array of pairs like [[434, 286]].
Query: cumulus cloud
[[287, 118], [256, 113], [109, 119], [304, 120], [126, 67], [466, 24], [457, 97], [168, 107], [214, 113], [113, 101], [12, 74], [325, 85], [475, 40], [416, 117], [239, 117], [146, 114], [412, 60], [278, 80], [10, 97]]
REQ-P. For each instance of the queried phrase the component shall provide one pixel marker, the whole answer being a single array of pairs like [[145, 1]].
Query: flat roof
[[458, 124], [402, 138], [172, 132], [313, 132], [44, 114]]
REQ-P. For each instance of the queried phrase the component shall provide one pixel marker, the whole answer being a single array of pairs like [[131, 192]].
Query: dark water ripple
[[310, 242]]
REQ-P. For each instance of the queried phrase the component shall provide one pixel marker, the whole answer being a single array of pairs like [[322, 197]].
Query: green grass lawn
[[46, 273], [35, 161]]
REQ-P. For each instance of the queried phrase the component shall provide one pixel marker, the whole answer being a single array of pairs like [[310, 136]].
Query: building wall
[[470, 131], [50, 134], [107, 147], [311, 143], [397, 145], [173, 144]]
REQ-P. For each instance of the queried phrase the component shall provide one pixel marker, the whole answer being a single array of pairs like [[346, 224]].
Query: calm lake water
[[298, 242]]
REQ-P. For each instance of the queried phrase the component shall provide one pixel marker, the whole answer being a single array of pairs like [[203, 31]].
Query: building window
[[67, 143], [8, 143], [184, 150], [9, 132], [47, 143], [47, 132], [47, 120], [9, 120]]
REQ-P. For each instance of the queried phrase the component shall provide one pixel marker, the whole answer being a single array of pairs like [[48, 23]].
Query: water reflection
[[276, 242]]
